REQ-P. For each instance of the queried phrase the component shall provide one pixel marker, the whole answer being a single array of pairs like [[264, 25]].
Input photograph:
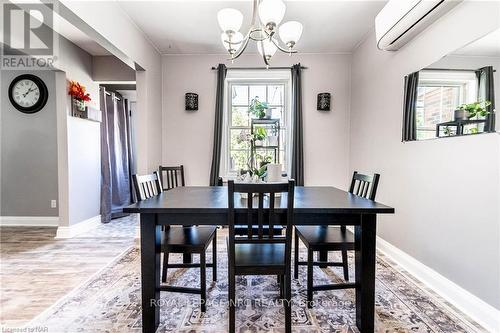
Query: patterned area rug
[[110, 302]]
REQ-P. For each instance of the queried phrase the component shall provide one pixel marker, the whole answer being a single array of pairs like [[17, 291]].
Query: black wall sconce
[[324, 101], [191, 102]]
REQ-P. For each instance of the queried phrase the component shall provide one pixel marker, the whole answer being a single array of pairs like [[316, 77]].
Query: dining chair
[[331, 238], [257, 253], [174, 176], [185, 240]]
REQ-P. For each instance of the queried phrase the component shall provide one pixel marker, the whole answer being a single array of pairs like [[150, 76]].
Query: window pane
[[277, 113], [239, 116], [239, 160], [258, 91], [239, 139], [240, 95], [275, 95]]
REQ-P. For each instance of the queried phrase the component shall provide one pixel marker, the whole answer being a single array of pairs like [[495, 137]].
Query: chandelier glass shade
[[263, 30]]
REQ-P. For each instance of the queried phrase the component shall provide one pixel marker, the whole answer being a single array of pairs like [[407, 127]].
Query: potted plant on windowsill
[[259, 135], [260, 109], [469, 111]]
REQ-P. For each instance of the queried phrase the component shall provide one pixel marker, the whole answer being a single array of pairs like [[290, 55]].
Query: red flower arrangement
[[78, 92]]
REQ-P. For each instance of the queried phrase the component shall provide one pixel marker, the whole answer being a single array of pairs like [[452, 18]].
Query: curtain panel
[[409, 107], [486, 92], [116, 156], [219, 116], [297, 160]]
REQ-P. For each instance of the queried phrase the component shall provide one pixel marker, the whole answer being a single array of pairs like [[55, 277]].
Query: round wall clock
[[28, 93]]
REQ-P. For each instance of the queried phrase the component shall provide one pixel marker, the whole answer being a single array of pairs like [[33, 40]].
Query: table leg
[[365, 236], [150, 272], [322, 256]]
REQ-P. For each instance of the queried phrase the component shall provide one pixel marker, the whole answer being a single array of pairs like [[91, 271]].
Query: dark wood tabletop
[[213, 199]]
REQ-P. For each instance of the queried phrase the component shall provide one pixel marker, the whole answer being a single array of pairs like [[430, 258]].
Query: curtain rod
[[452, 69], [109, 94], [255, 68]]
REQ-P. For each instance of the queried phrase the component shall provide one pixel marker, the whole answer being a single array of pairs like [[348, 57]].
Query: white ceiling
[[190, 27], [488, 46]]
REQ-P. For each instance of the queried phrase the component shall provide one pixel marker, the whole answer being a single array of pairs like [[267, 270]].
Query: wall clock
[[28, 93]]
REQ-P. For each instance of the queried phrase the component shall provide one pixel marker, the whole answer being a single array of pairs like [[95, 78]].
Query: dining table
[[208, 205]]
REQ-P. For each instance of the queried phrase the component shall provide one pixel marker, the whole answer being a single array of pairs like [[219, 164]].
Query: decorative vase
[[272, 140], [461, 114], [269, 113], [258, 143]]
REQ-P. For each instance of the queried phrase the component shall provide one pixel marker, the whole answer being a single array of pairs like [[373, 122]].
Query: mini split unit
[[401, 20]]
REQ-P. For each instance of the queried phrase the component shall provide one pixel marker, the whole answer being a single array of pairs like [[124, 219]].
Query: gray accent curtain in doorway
[[409, 108], [486, 92], [219, 116], [297, 167], [116, 156]]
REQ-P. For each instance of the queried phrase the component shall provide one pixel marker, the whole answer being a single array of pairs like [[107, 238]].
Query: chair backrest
[[147, 186], [364, 185], [261, 189], [173, 174], [220, 181]]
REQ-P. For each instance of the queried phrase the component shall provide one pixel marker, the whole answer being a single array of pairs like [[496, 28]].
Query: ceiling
[[190, 27], [488, 46]]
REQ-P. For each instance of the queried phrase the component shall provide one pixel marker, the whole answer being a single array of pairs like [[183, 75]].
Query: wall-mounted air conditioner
[[401, 20]]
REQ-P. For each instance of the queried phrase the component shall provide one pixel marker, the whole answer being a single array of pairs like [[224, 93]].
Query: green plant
[[264, 160], [260, 133], [475, 109], [259, 172], [258, 108]]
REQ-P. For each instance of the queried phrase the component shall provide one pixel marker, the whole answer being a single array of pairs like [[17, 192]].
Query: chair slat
[[249, 214], [271, 214], [146, 186], [172, 174], [260, 216]]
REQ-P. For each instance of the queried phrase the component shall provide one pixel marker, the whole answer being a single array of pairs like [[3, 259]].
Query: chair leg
[[232, 301], [203, 280], [309, 278], [345, 265], [288, 302], [214, 257], [296, 257], [165, 266]]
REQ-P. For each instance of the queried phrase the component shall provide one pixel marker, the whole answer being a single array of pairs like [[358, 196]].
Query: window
[[439, 94], [238, 151]]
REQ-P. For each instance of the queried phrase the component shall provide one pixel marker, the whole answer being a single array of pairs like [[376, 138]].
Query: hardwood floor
[[36, 270]]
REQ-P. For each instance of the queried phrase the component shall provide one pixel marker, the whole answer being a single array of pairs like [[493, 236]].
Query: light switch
[[53, 203]]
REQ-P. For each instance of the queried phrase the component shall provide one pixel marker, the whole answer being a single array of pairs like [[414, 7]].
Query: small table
[[208, 206], [459, 124]]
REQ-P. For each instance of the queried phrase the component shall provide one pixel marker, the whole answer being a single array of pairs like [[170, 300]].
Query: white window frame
[[264, 77]]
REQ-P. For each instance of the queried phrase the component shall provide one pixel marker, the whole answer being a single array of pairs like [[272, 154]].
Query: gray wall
[[28, 153], [110, 68], [445, 191]]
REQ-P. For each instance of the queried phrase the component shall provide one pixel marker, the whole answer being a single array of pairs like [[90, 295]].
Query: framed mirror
[[456, 95]]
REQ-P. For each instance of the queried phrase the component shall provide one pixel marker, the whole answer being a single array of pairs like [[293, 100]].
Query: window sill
[[454, 136]]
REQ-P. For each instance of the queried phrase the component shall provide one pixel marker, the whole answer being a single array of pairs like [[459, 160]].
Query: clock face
[[28, 93]]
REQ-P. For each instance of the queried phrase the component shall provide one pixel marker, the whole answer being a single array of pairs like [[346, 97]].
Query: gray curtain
[[297, 167], [219, 116], [115, 156], [486, 92], [409, 108]]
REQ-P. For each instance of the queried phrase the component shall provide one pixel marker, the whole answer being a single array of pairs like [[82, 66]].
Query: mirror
[[456, 95]]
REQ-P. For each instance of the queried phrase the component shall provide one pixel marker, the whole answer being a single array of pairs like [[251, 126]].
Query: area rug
[[110, 302]]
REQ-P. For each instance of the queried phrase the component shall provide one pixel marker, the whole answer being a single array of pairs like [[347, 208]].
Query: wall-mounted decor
[[79, 96], [324, 100], [191, 102], [28, 93]]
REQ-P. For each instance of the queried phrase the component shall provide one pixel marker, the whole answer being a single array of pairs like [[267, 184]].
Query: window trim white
[[253, 78]]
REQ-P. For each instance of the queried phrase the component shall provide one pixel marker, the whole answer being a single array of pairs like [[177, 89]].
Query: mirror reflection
[[456, 95]]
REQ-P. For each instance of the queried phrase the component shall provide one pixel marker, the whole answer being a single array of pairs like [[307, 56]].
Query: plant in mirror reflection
[[475, 109]]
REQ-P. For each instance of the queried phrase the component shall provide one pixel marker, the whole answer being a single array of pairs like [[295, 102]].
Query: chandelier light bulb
[[290, 33], [230, 19], [235, 40], [269, 48], [271, 12]]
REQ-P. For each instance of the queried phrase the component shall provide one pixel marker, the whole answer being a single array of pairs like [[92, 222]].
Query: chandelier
[[262, 30]]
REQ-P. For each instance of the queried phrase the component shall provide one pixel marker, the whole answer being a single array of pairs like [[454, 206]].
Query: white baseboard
[[79, 228], [483, 313], [29, 221]]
